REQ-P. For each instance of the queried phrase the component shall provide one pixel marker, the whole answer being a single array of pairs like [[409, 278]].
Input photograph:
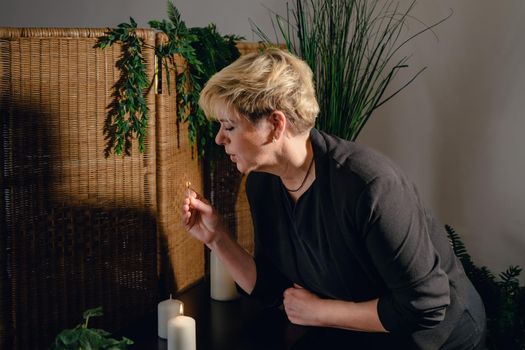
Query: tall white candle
[[167, 309], [222, 285], [181, 333]]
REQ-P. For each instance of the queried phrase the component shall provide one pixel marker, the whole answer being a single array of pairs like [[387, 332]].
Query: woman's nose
[[219, 138]]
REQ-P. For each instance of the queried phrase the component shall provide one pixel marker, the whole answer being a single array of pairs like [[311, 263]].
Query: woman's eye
[[229, 128]]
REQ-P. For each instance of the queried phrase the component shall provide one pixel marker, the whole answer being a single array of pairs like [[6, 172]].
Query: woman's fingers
[[200, 205], [199, 217], [187, 217], [191, 195]]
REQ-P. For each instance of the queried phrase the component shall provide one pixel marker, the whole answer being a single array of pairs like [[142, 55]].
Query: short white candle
[[222, 285], [167, 309], [181, 333]]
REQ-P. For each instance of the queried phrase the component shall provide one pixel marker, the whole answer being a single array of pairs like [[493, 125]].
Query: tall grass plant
[[354, 50]]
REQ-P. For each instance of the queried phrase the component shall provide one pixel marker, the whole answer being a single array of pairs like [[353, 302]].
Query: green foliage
[[128, 114], [83, 338], [180, 41], [352, 46], [204, 52], [215, 51], [503, 298]]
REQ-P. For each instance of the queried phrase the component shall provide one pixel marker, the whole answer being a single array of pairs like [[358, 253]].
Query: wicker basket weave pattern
[[79, 229]]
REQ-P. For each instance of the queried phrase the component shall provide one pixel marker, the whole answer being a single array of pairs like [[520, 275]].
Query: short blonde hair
[[259, 83]]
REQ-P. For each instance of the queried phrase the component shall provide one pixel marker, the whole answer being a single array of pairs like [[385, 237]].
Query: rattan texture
[[244, 219], [78, 229], [245, 47], [181, 258]]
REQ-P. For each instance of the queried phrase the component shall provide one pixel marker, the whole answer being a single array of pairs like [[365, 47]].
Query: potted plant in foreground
[[81, 337]]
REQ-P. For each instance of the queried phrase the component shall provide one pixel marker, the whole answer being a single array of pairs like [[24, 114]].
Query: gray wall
[[231, 16], [457, 130]]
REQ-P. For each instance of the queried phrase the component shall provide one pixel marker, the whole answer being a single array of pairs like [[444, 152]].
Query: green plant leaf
[[84, 338], [504, 299], [68, 336], [95, 312], [205, 52]]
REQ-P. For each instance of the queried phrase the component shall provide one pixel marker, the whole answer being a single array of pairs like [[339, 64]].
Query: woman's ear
[[278, 121]]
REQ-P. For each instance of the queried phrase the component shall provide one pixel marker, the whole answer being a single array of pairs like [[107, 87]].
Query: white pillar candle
[[167, 309], [181, 333], [222, 285]]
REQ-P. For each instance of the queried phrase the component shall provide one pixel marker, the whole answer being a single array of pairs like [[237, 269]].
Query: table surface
[[244, 324]]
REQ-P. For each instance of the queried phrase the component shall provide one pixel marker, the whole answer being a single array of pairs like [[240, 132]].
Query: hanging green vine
[[204, 52], [180, 42], [128, 114]]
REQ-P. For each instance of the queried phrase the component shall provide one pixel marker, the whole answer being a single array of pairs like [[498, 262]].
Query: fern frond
[[173, 13], [510, 276], [460, 250]]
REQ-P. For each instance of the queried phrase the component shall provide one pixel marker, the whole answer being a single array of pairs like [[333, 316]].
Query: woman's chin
[[242, 168], [239, 166]]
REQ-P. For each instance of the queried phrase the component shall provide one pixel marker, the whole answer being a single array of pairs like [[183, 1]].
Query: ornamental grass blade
[[352, 47]]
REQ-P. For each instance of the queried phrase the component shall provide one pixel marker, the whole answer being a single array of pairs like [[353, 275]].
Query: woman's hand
[[305, 308], [302, 306], [199, 218], [202, 222]]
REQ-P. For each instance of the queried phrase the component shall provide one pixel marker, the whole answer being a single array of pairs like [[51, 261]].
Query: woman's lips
[[233, 158]]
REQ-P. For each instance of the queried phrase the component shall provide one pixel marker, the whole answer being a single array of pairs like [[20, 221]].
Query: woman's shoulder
[[355, 159]]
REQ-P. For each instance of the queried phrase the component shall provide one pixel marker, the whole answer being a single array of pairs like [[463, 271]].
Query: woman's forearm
[[359, 316], [237, 261], [305, 308]]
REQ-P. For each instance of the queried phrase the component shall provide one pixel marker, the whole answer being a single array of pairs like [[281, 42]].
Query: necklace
[[304, 180]]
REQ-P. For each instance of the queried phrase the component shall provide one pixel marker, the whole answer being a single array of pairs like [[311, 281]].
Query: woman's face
[[247, 145]]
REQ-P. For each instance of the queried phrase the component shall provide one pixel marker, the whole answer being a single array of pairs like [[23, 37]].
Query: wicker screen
[[78, 228], [181, 257], [182, 261]]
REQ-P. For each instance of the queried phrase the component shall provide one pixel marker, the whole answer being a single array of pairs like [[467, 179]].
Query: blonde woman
[[342, 239]]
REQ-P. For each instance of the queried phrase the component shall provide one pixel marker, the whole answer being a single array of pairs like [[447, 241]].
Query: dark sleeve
[[270, 282], [395, 228]]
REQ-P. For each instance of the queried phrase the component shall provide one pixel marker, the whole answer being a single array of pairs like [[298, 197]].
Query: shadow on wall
[[63, 248]]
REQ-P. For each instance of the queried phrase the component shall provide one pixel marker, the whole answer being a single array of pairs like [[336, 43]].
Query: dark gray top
[[359, 232]]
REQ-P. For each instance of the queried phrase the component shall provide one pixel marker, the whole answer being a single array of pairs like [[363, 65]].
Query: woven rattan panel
[[181, 257], [244, 219], [78, 228]]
